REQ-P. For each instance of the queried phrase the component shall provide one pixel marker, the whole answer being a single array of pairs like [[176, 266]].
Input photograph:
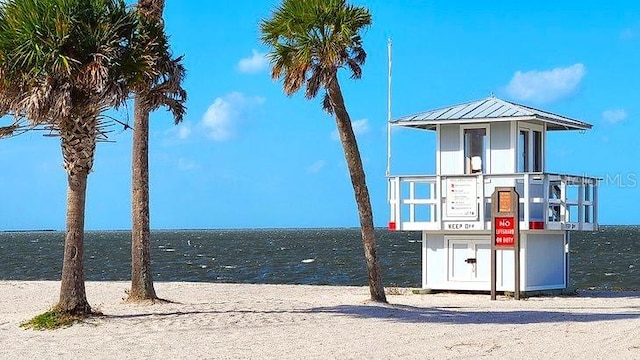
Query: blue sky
[[247, 156]]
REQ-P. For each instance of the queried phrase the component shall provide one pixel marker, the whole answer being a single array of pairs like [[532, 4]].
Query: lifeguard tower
[[482, 145]]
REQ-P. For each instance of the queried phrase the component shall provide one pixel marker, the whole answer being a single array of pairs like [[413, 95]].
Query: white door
[[469, 260]]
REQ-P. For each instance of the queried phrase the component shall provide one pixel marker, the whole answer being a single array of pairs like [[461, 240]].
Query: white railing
[[547, 201]]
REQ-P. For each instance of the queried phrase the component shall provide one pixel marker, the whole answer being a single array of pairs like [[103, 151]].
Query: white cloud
[[614, 116], [255, 63], [359, 127], [184, 130], [546, 85], [316, 167], [181, 131], [223, 116]]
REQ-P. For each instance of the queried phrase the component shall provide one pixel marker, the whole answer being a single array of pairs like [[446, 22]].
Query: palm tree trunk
[[78, 149], [356, 171], [141, 276]]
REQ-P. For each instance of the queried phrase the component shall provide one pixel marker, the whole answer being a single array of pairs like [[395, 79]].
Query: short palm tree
[[311, 40], [167, 91], [62, 64]]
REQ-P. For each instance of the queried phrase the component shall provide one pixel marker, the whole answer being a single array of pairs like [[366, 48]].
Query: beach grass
[[55, 319]]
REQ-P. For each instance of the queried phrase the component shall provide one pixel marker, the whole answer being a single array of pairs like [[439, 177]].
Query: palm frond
[[327, 104], [65, 59], [311, 40]]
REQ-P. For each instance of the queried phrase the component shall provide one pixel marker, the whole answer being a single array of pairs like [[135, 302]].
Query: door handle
[[470, 261]]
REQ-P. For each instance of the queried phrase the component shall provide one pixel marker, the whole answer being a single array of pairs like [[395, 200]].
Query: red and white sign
[[505, 228]]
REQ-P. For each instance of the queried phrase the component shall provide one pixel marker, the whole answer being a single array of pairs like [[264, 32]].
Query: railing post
[[526, 201], [412, 205], [581, 204], [392, 201], [545, 199], [394, 195], [439, 215], [480, 201], [563, 200], [432, 207]]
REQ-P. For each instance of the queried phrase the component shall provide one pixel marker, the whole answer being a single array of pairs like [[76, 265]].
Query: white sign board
[[462, 199]]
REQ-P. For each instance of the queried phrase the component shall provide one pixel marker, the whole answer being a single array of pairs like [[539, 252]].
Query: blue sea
[[606, 259]]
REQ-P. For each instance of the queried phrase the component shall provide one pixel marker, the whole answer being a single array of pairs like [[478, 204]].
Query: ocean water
[[606, 259]]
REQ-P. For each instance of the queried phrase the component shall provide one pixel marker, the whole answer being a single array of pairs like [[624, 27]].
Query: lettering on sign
[[505, 230], [504, 201], [460, 226], [462, 199]]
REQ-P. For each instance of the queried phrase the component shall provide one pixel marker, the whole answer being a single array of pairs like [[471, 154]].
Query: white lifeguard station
[[482, 145]]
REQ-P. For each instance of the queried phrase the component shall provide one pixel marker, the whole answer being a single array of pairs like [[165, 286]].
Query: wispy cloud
[[316, 167], [546, 85], [222, 118], [181, 131], [359, 127], [255, 63], [184, 130], [186, 165], [614, 116], [627, 34]]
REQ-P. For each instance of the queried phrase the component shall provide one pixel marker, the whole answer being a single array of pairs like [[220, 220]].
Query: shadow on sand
[[412, 314]]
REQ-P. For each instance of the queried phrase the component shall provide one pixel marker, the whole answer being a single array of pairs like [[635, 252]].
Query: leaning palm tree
[[310, 41], [145, 100], [62, 64]]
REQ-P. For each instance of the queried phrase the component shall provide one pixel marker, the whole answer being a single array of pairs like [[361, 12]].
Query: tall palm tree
[[62, 64], [141, 275], [310, 41]]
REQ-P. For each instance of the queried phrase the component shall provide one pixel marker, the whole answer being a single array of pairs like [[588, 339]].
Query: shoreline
[[221, 320]]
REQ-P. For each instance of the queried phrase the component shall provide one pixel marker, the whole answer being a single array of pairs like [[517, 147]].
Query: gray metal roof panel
[[489, 109]]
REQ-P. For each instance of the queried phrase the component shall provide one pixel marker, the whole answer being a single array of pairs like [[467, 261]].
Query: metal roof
[[490, 109]]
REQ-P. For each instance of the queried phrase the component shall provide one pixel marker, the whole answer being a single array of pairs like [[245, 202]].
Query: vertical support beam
[[424, 259], [438, 154], [394, 202], [516, 257], [433, 208], [545, 199], [505, 233], [526, 202], [398, 203], [581, 192], [567, 265], [412, 204], [481, 205], [439, 215], [390, 194], [595, 204], [494, 264], [564, 218]]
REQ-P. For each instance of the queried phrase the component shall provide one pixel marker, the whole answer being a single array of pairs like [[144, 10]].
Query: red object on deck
[[392, 225], [536, 225]]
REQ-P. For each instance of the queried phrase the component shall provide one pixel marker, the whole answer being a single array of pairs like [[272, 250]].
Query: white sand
[[283, 321]]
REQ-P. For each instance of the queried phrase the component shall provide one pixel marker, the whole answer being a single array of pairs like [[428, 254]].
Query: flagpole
[[388, 172]]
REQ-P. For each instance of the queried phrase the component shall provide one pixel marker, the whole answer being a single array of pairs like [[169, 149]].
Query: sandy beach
[[229, 321]]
